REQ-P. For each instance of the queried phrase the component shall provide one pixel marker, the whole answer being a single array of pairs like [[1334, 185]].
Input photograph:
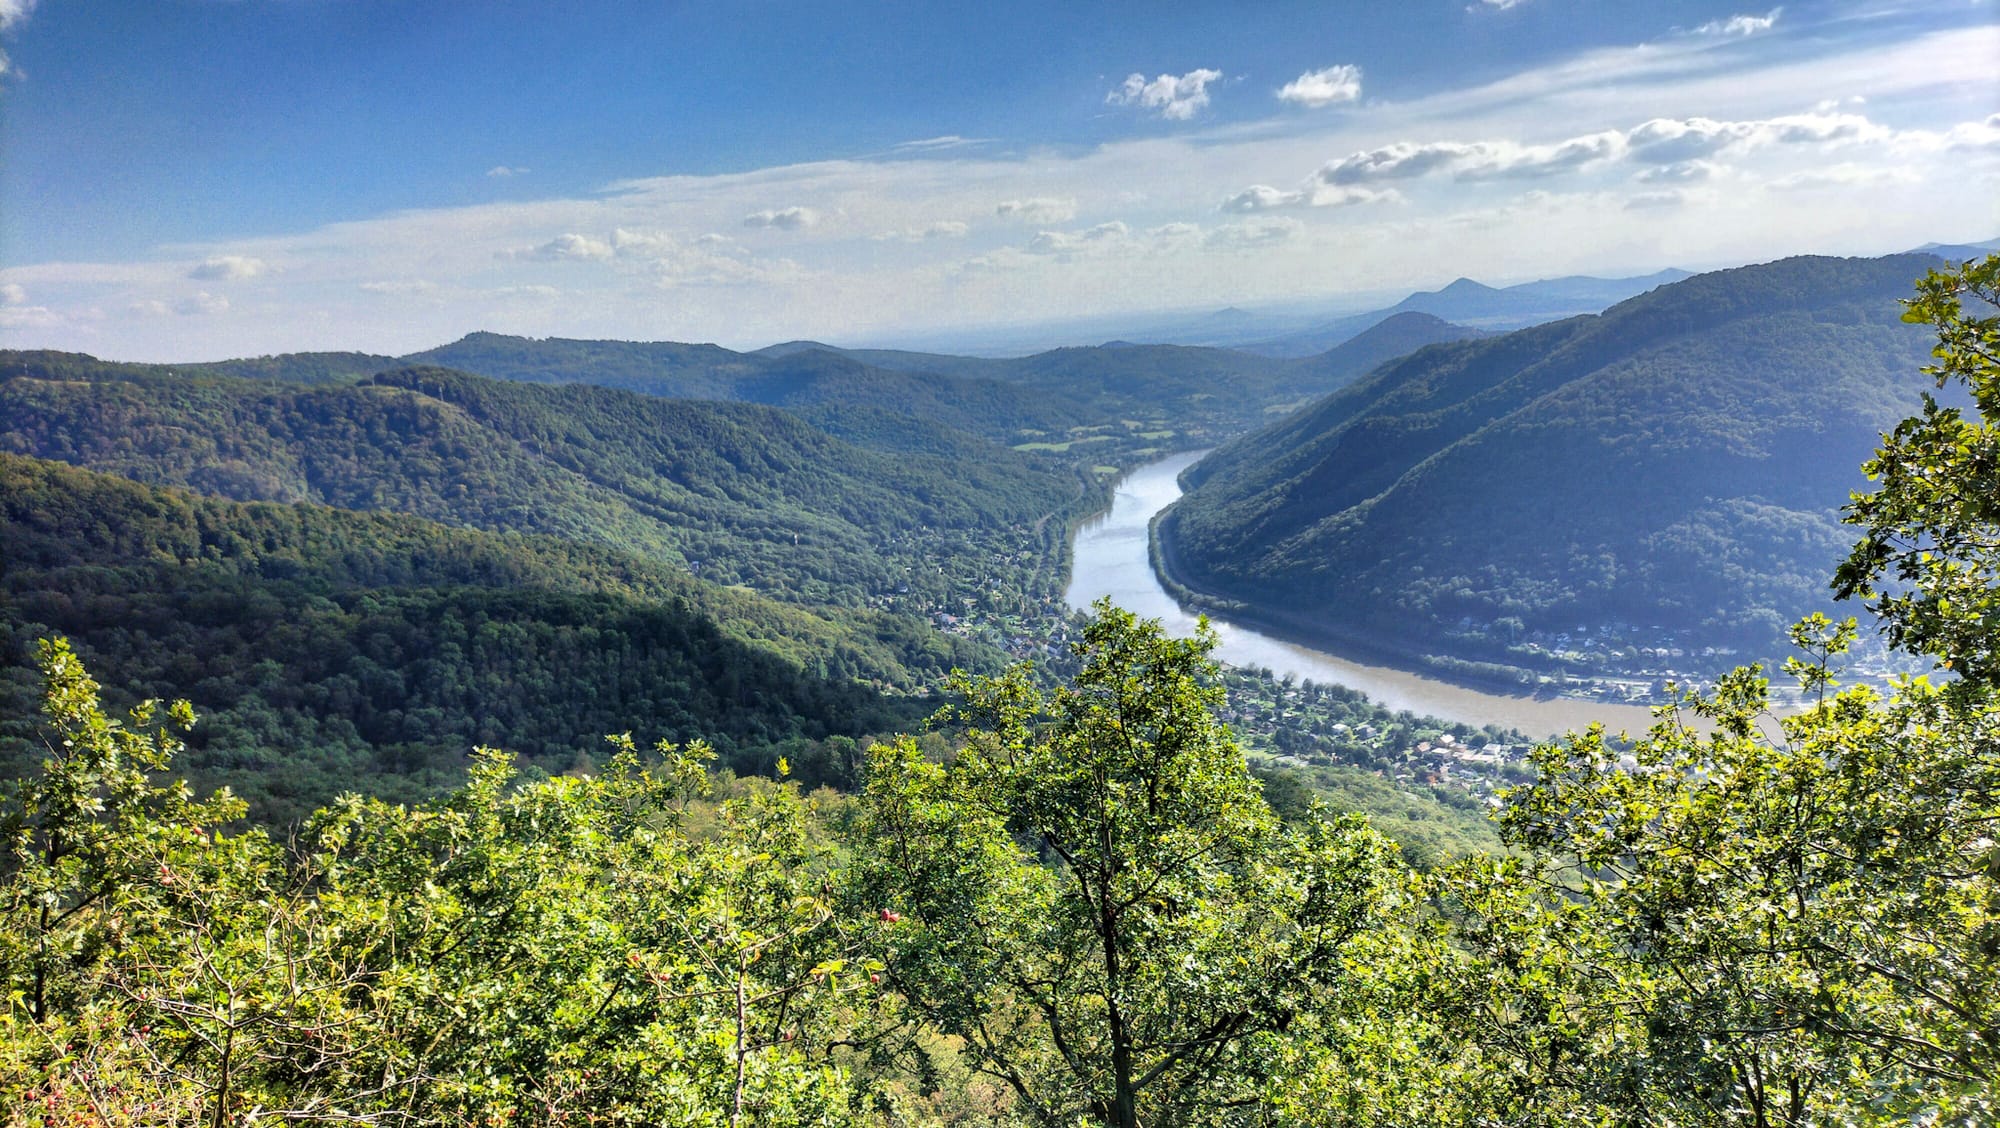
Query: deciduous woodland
[[1065, 900]]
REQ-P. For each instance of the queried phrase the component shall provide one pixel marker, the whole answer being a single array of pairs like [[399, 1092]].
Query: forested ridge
[[1666, 473], [330, 650], [739, 493]]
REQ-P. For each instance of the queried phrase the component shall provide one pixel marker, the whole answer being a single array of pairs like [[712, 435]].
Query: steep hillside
[[1667, 473], [738, 493], [328, 650]]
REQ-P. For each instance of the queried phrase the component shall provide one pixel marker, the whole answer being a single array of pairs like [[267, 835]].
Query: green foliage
[[1096, 899], [1741, 928], [1772, 920], [557, 952], [1930, 556]]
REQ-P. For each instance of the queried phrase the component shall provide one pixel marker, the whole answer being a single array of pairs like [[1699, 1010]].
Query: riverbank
[[1113, 555]]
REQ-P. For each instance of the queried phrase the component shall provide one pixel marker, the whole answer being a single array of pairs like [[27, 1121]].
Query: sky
[[198, 179]]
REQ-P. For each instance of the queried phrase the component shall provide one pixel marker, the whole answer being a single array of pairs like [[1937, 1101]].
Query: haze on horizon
[[191, 179]]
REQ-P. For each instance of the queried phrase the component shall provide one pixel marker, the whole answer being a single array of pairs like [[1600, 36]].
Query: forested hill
[[1672, 466], [328, 650], [1202, 394], [739, 493], [803, 381]]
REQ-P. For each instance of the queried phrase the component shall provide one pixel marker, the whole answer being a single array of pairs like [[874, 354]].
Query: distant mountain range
[[1671, 467], [1478, 306]]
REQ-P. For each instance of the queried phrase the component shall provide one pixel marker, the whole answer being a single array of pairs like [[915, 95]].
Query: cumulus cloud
[[1399, 161], [502, 172], [1503, 160], [1974, 134], [783, 219], [1678, 146], [1173, 97], [1740, 25], [1254, 233], [1102, 236], [1680, 172], [1327, 87], [13, 294], [1262, 197], [1349, 195], [1038, 209], [225, 268], [572, 247], [201, 303]]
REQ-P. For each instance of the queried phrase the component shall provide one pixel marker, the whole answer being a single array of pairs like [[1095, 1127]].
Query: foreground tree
[[562, 951], [1094, 896], [1780, 920]]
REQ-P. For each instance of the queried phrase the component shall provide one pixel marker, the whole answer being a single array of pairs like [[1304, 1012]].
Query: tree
[[1095, 897], [1933, 526], [1764, 920]]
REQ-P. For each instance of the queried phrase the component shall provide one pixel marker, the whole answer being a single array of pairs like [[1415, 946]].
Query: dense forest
[[331, 650], [736, 493], [1665, 475]]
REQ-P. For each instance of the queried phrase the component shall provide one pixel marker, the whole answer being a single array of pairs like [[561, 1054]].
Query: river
[[1111, 558]]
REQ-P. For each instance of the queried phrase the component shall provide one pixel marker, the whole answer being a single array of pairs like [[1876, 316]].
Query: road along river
[[1111, 558]]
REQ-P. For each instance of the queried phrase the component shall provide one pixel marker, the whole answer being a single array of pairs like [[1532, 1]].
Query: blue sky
[[186, 179]]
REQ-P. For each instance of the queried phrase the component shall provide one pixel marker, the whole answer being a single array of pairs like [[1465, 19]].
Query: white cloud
[[1974, 134], [1740, 25], [1349, 195], [1254, 233], [784, 219], [1398, 161], [1262, 197], [1038, 209], [13, 294], [572, 247], [1100, 237], [228, 268], [1498, 5], [14, 11], [149, 307], [932, 144], [502, 172], [1680, 172], [202, 303], [1174, 97], [1326, 87], [1506, 160], [537, 293], [1681, 143]]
